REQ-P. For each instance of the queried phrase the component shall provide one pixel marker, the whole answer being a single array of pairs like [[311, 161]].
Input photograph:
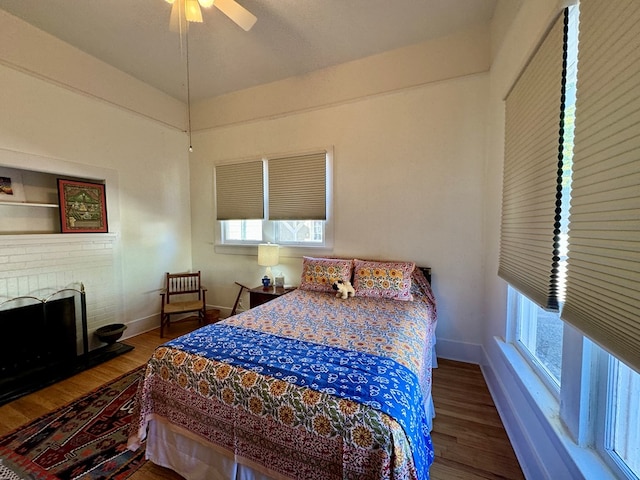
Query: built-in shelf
[[31, 204]]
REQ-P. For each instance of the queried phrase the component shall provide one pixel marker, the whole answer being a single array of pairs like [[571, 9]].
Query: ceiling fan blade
[[236, 12], [176, 16]]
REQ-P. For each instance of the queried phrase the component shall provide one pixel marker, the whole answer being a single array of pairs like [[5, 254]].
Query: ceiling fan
[[189, 10]]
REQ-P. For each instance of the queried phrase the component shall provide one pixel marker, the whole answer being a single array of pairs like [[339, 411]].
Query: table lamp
[[268, 256]]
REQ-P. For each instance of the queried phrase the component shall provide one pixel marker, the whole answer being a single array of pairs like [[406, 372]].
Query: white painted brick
[[12, 287], [93, 246], [3, 289], [9, 250], [26, 258], [42, 264]]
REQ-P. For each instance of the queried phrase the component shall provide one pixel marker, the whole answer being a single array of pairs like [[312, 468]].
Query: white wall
[[440, 59], [49, 122], [29, 50], [408, 173]]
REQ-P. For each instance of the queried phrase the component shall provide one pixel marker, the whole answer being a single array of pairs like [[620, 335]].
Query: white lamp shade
[[268, 254]]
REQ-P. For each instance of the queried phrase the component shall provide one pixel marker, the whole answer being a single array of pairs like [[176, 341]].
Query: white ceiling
[[291, 37]]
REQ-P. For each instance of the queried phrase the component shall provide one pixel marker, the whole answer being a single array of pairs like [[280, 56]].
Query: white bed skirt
[[192, 457]]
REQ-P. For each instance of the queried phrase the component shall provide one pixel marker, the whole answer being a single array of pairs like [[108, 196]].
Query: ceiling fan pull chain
[[188, 92]]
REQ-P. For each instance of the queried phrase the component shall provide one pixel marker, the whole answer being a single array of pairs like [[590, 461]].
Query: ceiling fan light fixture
[[189, 10], [192, 11]]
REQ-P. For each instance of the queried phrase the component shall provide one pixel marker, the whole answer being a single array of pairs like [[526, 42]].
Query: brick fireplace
[[39, 265]]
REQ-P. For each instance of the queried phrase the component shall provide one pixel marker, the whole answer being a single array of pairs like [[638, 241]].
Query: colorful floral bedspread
[[292, 430]]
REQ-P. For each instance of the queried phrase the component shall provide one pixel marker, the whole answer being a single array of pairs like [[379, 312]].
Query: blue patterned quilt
[[378, 382]]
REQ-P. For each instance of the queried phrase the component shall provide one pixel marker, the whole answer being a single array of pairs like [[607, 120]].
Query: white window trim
[[286, 250], [605, 363], [577, 413], [588, 461], [515, 311]]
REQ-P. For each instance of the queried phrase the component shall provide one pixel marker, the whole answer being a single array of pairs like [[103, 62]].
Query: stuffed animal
[[344, 289]]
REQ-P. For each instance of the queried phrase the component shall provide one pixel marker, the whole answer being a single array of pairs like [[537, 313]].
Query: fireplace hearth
[[42, 342]]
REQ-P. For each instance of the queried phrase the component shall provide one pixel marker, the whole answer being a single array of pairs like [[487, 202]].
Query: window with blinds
[[603, 267], [532, 183], [281, 199], [297, 187], [240, 191], [603, 280]]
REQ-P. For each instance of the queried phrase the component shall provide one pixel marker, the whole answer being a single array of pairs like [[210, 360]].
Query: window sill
[[285, 251], [586, 460]]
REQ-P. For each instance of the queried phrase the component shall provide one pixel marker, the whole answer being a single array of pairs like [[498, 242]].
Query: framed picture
[[83, 207], [11, 185]]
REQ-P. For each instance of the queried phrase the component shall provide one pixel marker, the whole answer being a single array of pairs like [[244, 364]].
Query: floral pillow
[[383, 279], [318, 274]]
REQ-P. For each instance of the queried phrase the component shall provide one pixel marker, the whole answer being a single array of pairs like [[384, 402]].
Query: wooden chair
[[183, 293]]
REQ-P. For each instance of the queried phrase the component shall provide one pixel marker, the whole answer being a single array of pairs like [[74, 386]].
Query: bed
[[306, 386]]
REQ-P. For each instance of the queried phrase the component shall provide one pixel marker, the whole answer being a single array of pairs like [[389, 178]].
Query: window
[[622, 435], [603, 416], [283, 232], [242, 231], [602, 279], [302, 232], [539, 333], [539, 336], [279, 199], [530, 236]]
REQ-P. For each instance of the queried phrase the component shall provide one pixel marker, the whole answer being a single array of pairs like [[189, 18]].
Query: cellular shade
[[603, 280], [239, 191], [532, 182], [298, 187]]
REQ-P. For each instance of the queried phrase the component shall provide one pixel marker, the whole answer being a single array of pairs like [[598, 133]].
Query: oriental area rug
[[84, 440]]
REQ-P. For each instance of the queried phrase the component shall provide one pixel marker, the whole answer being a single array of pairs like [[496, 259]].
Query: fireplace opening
[[38, 337], [45, 341]]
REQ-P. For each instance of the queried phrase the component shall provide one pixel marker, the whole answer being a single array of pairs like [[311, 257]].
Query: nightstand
[[260, 295]]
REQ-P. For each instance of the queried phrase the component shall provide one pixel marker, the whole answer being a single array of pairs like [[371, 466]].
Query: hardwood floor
[[468, 436]]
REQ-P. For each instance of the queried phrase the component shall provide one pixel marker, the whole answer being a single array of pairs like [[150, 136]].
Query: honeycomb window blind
[[603, 280], [240, 191], [298, 187], [532, 175]]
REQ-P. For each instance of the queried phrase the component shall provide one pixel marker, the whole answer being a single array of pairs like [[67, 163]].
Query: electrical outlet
[[241, 305]]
